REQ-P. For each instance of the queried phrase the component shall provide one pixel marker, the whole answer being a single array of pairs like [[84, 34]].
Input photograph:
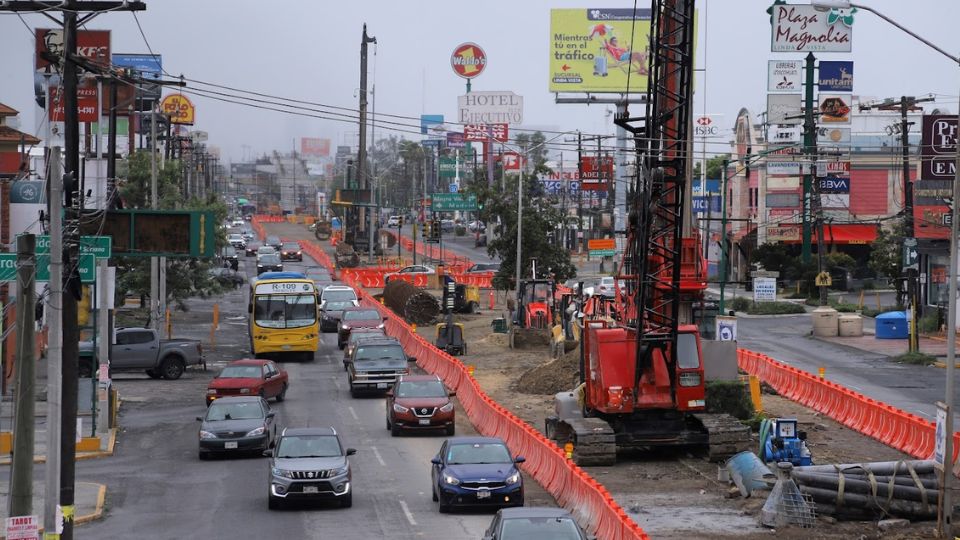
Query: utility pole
[[21, 475], [362, 175], [579, 241], [723, 236], [810, 149], [55, 347], [154, 261]]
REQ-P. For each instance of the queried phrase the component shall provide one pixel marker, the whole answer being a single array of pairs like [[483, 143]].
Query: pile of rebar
[[412, 303], [903, 489]]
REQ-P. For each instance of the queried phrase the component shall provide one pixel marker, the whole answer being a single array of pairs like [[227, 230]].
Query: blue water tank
[[892, 325]]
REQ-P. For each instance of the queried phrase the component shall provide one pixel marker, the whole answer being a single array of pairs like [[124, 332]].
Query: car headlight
[[281, 472], [400, 408], [207, 435], [255, 432], [345, 326], [513, 478], [338, 472], [451, 480], [382, 325], [447, 408], [244, 390], [211, 391]]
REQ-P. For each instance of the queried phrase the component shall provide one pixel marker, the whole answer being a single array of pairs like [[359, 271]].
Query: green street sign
[[449, 202], [100, 247], [448, 168], [603, 252], [8, 268]]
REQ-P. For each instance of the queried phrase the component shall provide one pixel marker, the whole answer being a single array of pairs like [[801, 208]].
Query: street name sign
[[100, 247], [450, 202], [8, 268]]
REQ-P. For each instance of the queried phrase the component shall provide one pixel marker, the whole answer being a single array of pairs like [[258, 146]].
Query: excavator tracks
[[594, 442], [727, 435]]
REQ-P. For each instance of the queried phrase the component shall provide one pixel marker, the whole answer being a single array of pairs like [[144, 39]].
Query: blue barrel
[[892, 325]]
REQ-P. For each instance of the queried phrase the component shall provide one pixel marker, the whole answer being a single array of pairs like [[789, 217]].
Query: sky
[[309, 50]]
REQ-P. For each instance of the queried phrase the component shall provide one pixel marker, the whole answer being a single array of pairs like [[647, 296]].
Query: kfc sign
[[86, 103], [938, 147], [94, 45]]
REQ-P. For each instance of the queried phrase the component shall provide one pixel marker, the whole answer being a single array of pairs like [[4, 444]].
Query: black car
[[484, 267], [291, 251], [269, 263], [476, 471], [274, 241], [534, 522], [236, 424], [330, 313], [251, 249], [229, 256]]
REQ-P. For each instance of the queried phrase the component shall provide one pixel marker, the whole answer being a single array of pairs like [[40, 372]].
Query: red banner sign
[[511, 161], [480, 132], [596, 174], [313, 147], [86, 103]]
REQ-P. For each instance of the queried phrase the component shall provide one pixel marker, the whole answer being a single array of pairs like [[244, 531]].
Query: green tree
[[773, 257], [886, 257], [714, 167]]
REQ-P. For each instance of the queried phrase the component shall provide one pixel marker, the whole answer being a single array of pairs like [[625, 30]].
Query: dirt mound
[[552, 377]]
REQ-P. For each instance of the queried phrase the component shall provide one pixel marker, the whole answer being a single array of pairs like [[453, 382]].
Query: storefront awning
[[848, 233]]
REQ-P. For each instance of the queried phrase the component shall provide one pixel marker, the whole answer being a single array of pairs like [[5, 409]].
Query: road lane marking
[[353, 413], [406, 512], [376, 453]]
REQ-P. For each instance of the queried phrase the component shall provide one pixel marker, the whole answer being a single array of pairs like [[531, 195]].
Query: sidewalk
[[86, 449], [89, 501]]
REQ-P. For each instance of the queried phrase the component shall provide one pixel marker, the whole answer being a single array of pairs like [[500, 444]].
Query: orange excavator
[[533, 315], [641, 372]]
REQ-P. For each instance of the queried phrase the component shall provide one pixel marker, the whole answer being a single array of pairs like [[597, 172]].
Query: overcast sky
[[310, 50]]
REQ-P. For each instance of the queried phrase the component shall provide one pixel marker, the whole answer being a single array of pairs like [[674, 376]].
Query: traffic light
[[400, 223]]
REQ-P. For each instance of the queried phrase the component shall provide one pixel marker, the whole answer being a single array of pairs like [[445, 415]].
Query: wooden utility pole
[[21, 475]]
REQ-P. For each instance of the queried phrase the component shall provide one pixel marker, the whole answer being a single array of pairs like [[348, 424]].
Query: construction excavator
[[533, 313], [641, 371]]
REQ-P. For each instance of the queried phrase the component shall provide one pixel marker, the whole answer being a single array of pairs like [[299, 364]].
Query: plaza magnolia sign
[[801, 28]]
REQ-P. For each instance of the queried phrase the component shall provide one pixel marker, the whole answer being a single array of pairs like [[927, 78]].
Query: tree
[[886, 257], [714, 167]]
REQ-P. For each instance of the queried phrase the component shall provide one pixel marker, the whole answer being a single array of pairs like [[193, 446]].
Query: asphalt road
[[458, 245], [158, 488]]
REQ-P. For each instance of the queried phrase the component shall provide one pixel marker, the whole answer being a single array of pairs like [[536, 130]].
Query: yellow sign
[[823, 280], [179, 108], [593, 50]]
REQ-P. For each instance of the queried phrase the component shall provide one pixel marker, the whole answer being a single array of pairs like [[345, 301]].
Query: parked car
[[483, 267], [420, 402], [249, 377], [412, 269], [252, 247], [310, 463], [534, 522], [291, 251], [229, 256], [476, 471], [227, 277], [357, 317], [269, 263], [236, 424], [141, 349], [393, 221], [274, 241], [474, 225], [330, 313], [236, 240], [375, 365], [357, 335]]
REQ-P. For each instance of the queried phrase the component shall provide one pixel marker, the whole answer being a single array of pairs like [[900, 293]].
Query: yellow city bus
[[283, 316]]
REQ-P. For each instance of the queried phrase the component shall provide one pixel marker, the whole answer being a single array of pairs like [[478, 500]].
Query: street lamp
[[946, 501]]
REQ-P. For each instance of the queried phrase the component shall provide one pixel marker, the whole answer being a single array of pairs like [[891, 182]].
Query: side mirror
[[452, 393], [519, 459], [199, 419], [436, 461], [389, 393], [267, 375], [411, 359], [351, 451], [271, 414], [268, 453]]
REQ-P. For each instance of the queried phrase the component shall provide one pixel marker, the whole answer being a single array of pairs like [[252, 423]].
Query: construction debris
[[412, 303], [786, 505]]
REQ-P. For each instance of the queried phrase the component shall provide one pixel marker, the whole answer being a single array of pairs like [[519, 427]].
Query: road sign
[[603, 252], [764, 289], [726, 328], [911, 255], [449, 202], [940, 438], [823, 280], [100, 247], [8, 268]]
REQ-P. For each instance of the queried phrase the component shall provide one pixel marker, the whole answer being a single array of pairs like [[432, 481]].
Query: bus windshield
[[285, 311]]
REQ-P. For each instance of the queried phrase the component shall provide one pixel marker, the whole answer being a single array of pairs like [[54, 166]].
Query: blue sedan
[[476, 471]]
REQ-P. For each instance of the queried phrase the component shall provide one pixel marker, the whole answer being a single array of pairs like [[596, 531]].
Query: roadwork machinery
[[533, 315], [642, 375]]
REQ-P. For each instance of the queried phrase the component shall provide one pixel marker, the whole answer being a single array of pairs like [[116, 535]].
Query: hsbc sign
[[707, 126]]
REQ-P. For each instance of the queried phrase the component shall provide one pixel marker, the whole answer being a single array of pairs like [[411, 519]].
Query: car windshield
[[270, 258], [420, 389], [308, 446], [361, 315], [539, 528], [272, 240], [339, 295], [459, 454], [240, 372], [285, 311], [248, 410], [337, 305], [291, 246], [361, 335], [266, 250], [253, 245], [380, 356]]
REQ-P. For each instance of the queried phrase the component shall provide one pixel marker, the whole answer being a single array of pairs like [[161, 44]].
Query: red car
[[357, 318], [420, 402], [249, 378]]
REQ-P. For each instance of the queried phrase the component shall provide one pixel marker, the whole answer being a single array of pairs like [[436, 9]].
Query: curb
[[111, 443], [97, 511]]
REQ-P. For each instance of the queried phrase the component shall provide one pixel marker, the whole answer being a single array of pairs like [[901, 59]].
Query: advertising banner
[[780, 106], [511, 161], [429, 120], [86, 102], [706, 203], [835, 76], [834, 109], [707, 126], [783, 200], [938, 147], [835, 200], [783, 168], [783, 182], [455, 140], [490, 108], [835, 184], [93, 45], [784, 76], [802, 28], [179, 108], [561, 187], [591, 50], [931, 221], [788, 233], [480, 132], [829, 135], [149, 66], [314, 147], [784, 134], [596, 174]]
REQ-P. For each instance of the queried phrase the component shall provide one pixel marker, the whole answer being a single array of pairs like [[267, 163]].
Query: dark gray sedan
[[330, 313], [533, 522], [237, 424]]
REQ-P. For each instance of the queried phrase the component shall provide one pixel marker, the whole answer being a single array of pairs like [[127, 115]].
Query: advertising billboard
[[591, 50], [480, 132], [931, 215], [834, 109], [782, 106], [150, 66], [938, 147], [92, 45], [784, 76], [803, 28], [835, 76], [314, 147], [86, 102], [179, 108], [596, 174]]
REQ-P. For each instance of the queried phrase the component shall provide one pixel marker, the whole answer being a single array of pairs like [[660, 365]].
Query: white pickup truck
[[141, 349]]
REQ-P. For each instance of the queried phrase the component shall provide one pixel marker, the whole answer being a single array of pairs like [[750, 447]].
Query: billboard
[[786, 233], [835, 76], [86, 102], [490, 108], [938, 147], [780, 106], [314, 147], [803, 28], [150, 66], [596, 173], [468, 60], [834, 109], [179, 108], [784, 76], [480, 132], [429, 120], [93, 45], [591, 50]]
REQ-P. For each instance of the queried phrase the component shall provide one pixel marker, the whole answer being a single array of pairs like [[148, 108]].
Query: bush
[[915, 358], [460, 230], [929, 323], [730, 397], [740, 303], [775, 308]]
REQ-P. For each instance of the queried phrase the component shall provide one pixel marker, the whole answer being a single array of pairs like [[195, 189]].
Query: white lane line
[[353, 413], [376, 454], [925, 414], [406, 512]]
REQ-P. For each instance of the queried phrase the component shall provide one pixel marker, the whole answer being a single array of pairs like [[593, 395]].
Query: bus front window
[[285, 311]]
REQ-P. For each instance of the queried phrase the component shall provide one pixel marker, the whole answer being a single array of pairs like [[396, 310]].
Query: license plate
[[311, 489], [424, 422], [381, 385], [285, 347], [230, 445], [483, 494]]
